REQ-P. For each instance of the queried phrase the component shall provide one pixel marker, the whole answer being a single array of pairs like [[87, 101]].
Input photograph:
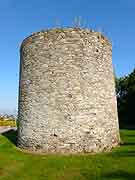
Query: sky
[[19, 18]]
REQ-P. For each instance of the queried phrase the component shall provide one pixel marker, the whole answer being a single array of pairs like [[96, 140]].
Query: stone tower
[[67, 100]]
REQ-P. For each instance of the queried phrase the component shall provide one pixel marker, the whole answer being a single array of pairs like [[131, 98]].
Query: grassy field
[[116, 165], [11, 123]]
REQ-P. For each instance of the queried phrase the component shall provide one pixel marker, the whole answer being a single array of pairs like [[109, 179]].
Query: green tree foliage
[[125, 90]]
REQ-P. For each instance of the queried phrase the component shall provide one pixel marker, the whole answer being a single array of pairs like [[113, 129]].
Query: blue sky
[[18, 19]]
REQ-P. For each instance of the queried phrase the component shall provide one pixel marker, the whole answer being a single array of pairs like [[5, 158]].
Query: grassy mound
[[116, 165]]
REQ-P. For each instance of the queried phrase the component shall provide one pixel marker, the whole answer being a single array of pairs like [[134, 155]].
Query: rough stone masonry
[[67, 100]]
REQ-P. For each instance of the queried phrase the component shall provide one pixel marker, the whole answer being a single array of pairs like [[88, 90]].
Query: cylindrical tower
[[67, 100]]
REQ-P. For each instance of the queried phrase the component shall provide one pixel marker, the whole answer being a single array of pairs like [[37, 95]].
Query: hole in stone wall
[[102, 37], [70, 95], [38, 146], [54, 135]]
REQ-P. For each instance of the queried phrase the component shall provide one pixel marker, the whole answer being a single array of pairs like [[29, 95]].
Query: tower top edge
[[45, 32]]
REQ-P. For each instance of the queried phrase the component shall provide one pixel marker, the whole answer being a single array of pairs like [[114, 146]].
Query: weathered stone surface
[[67, 99]]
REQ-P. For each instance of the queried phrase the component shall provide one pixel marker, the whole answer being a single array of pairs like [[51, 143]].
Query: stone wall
[[67, 99]]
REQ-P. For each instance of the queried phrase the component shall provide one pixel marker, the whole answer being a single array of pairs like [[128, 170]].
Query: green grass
[[116, 165]]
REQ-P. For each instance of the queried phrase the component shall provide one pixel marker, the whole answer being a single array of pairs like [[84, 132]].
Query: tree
[[125, 90]]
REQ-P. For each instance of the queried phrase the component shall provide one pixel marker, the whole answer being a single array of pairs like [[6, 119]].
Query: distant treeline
[[125, 90]]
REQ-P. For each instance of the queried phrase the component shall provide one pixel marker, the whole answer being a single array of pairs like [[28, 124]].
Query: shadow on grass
[[128, 144], [120, 174], [114, 175], [125, 154], [11, 135], [127, 128]]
